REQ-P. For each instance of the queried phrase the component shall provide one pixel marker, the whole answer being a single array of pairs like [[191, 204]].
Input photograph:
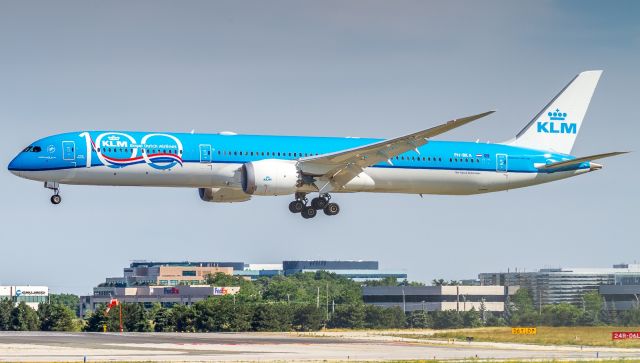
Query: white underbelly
[[192, 175], [375, 179]]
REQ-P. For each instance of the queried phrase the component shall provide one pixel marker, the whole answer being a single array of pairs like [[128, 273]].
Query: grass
[[587, 336]]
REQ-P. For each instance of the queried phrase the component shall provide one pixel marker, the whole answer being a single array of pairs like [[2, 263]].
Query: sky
[[330, 68]]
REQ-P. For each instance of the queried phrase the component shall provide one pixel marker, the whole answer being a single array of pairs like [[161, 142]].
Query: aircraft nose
[[14, 166]]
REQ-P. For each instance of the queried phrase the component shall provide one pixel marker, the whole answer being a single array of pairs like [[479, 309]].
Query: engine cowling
[[270, 177], [223, 195]]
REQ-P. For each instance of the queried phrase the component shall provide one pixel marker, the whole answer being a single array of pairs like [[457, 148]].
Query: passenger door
[[205, 154], [502, 163], [69, 150]]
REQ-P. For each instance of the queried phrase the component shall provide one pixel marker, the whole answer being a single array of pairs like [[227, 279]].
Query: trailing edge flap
[[577, 161]]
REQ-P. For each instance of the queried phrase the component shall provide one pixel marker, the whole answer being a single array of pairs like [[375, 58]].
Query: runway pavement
[[49, 346]]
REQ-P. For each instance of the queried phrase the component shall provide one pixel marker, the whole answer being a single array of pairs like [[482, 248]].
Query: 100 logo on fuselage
[[119, 150]]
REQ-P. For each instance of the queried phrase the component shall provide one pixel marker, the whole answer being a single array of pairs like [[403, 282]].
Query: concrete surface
[[190, 347]]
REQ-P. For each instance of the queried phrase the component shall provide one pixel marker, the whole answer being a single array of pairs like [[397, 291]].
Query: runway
[[332, 346]]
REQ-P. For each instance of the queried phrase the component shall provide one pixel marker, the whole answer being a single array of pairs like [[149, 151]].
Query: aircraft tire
[[56, 199], [296, 206], [319, 203], [332, 209], [309, 212]]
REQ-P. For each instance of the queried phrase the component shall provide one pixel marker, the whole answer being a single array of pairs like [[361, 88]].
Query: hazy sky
[[354, 68]]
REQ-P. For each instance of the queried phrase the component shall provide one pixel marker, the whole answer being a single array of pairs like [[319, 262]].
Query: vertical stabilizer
[[556, 127]]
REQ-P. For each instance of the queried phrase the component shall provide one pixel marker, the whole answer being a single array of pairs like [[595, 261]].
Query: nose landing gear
[[322, 202], [55, 198]]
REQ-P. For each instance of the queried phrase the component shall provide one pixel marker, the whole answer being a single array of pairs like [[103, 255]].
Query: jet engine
[[223, 195], [270, 177]]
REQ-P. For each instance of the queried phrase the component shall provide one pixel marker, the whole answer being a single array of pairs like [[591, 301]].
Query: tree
[[308, 318], [96, 320], [592, 306], [447, 319], [69, 300], [563, 314], [520, 309], [164, 320], [57, 317], [220, 314], [348, 316], [134, 317], [273, 317], [419, 320], [631, 317], [184, 317], [24, 318], [387, 281], [6, 306], [472, 318], [379, 317]]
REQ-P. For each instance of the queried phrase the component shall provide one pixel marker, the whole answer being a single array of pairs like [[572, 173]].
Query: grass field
[[587, 336]]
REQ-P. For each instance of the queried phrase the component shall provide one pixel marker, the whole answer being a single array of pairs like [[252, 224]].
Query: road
[[59, 347]]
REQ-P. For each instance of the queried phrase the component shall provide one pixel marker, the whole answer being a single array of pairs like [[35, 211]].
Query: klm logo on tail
[[551, 127]]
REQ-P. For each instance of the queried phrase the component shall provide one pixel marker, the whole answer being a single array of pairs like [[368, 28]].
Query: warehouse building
[[439, 298], [149, 295]]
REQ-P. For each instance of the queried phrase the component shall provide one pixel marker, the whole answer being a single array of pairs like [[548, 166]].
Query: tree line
[[303, 302]]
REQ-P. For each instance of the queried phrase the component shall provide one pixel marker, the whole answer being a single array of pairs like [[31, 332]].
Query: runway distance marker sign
[[524, 331]]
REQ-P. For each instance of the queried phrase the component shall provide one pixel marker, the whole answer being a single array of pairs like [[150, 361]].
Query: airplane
[[227, 167]]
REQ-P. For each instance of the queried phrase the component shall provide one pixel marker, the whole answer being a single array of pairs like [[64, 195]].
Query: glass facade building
[[563, 285]]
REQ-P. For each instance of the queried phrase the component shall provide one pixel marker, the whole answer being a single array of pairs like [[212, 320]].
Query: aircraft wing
[[334, 170], [577, 161]]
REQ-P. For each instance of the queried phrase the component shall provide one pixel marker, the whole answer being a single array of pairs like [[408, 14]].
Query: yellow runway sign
[[525, 331]]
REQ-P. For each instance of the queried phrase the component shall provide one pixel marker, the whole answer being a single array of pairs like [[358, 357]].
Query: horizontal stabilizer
[[578, 161]]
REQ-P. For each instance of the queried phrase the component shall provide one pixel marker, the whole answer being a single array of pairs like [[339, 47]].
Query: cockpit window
[[33, 149]]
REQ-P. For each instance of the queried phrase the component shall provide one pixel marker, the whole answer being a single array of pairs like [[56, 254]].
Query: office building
[[620, 297], [562, 285], [31, 295], [355, 270], [438, 298]]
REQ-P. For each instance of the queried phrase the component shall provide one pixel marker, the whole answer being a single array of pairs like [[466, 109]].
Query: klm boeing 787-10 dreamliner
[[227, 167]]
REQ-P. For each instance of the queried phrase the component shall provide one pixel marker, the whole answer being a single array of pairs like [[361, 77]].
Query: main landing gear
[[55, 198], [322, 202]]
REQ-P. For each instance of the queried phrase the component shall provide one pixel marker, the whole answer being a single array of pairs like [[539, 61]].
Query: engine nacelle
[[270, 177], [222, 195]]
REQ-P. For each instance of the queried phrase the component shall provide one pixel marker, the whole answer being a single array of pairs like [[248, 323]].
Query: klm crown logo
[[551, 127]]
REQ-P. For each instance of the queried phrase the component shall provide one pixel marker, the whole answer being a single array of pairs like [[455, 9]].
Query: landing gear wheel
[[56, 199], [296, 206], [332, 209], [319, 202], [308, 212]]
